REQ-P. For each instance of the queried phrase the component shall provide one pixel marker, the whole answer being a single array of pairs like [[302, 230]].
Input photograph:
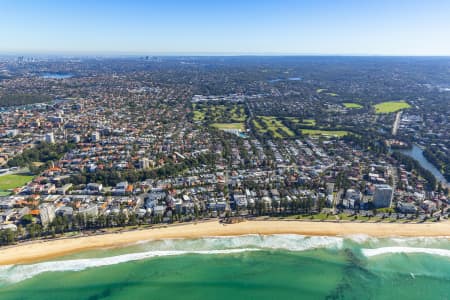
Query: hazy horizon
[[176, 28], [119, 54]]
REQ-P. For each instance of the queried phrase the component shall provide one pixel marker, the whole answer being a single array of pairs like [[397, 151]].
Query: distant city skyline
[[201, 27]]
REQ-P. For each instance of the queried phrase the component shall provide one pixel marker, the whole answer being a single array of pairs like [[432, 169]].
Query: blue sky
[[389, 27]]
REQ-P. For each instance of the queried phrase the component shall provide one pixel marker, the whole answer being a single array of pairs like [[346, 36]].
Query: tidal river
[[417, 153]]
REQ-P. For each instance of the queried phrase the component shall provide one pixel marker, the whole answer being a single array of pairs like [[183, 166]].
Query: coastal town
[[224, 150], [92, 148]]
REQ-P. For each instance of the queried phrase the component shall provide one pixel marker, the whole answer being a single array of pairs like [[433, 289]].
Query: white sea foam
[[290, 242], [361, 238], [429, 242], [16, 273], [172, 247], [224, 245], [396, 250]]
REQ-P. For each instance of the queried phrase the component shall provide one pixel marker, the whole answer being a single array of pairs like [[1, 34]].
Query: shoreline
[[47, 249]]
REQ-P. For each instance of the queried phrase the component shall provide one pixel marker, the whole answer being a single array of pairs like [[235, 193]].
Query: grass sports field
[[391, 106], [12, 181], [319, 91], [224, 126], [352, 105], [337, 133]]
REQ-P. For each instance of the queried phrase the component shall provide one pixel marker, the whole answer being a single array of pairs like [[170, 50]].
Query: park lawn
[[238, 114], [322, 217], [293, 119], [199, 115], [318, 91], [263, 130], [309, 122], [219, 113], [305, 122], [336, 133], [352, 105], [273, 124], [258, 126], [223, 126], [391, 106], [12, 181]]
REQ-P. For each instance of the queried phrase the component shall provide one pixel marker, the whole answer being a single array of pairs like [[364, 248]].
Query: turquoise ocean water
[[243, 267]]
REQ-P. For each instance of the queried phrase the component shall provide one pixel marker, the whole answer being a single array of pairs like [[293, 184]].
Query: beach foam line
[[17, 273], [406, 250], [361, 238], [172, 247], [289, 242]]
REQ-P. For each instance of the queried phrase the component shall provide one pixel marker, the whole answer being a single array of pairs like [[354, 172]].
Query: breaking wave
[[173, 247], [362, 244], [289, 242], [405, 250], [18, 273]]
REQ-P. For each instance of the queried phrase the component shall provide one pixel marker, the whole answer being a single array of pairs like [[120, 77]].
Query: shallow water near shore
[[242, 267]]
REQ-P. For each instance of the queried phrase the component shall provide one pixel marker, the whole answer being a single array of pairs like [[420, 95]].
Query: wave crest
[[16, 273], [172, 247], [405, 250], [290, 242], [230, 245]]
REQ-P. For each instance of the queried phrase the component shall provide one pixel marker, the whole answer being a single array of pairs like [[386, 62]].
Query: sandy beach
[[41, 250]]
